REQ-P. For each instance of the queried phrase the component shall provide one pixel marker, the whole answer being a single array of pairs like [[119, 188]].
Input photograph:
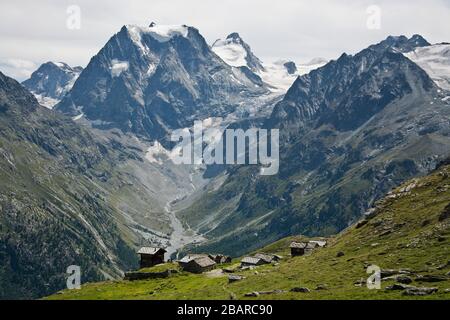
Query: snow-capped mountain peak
[[162, 33], [237, 53], [150, 80], [51, 81], [278, 75], [235, 37]]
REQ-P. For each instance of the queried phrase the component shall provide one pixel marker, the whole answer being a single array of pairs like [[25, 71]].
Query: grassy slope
[[406, 233]]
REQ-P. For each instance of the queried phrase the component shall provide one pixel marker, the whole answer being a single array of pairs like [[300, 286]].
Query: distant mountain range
[[90, 180]]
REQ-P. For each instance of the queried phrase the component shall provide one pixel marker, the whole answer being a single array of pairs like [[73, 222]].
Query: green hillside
[[408, 230]]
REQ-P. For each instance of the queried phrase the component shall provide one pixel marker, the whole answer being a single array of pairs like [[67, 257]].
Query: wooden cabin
[[298, 248], [151, 256], [197, 263]]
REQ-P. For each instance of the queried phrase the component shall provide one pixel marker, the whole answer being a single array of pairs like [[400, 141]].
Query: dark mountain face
[[349, 132], [52, 80], [149, 81], [349, 91], [15, 98], [290, 67], [401, 43], [53, 212]]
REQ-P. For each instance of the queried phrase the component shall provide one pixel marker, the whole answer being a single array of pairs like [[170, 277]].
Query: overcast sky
[[35, 31]]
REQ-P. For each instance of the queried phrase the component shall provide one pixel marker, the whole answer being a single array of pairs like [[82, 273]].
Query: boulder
[[300, 289], [445, 213], [415, 291], [391, 272], [431, 278], [443, 266], [404, 279], [322, 287], [398, 286], [234, 278], [270, 292], [359, 283], [252, 294], [399, 278], [361, 224]]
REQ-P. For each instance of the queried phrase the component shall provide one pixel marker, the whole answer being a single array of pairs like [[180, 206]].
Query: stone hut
[[320, 243], [298, 248], [252, 261], [268, 258], [197, 263], [151, 256]]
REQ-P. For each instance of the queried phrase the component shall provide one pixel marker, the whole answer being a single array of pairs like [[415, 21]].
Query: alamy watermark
[[373, 17], [74, 278], [374, 280], [233, 146], [73, 21]]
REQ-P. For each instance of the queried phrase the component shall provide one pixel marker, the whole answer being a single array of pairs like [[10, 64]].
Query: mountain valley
[[87, 170]]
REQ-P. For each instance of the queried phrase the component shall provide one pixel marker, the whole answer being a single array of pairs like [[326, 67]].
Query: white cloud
[[295, 29], [17, 68]]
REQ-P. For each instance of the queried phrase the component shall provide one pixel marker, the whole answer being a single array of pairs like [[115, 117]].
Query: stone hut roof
[[150, 250], [251, 260], [299, 245]]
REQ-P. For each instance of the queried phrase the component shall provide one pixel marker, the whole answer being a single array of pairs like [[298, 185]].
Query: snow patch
[[44, 101], [277, 76], [117, 67], [274, 74], [213, 129], [435, 60], [162, 33], [158, 154], [154, 153], [232, 53], [61, 65], [78, 117]]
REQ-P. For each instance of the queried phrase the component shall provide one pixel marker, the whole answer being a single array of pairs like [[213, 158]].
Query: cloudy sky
[[35, 31]]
